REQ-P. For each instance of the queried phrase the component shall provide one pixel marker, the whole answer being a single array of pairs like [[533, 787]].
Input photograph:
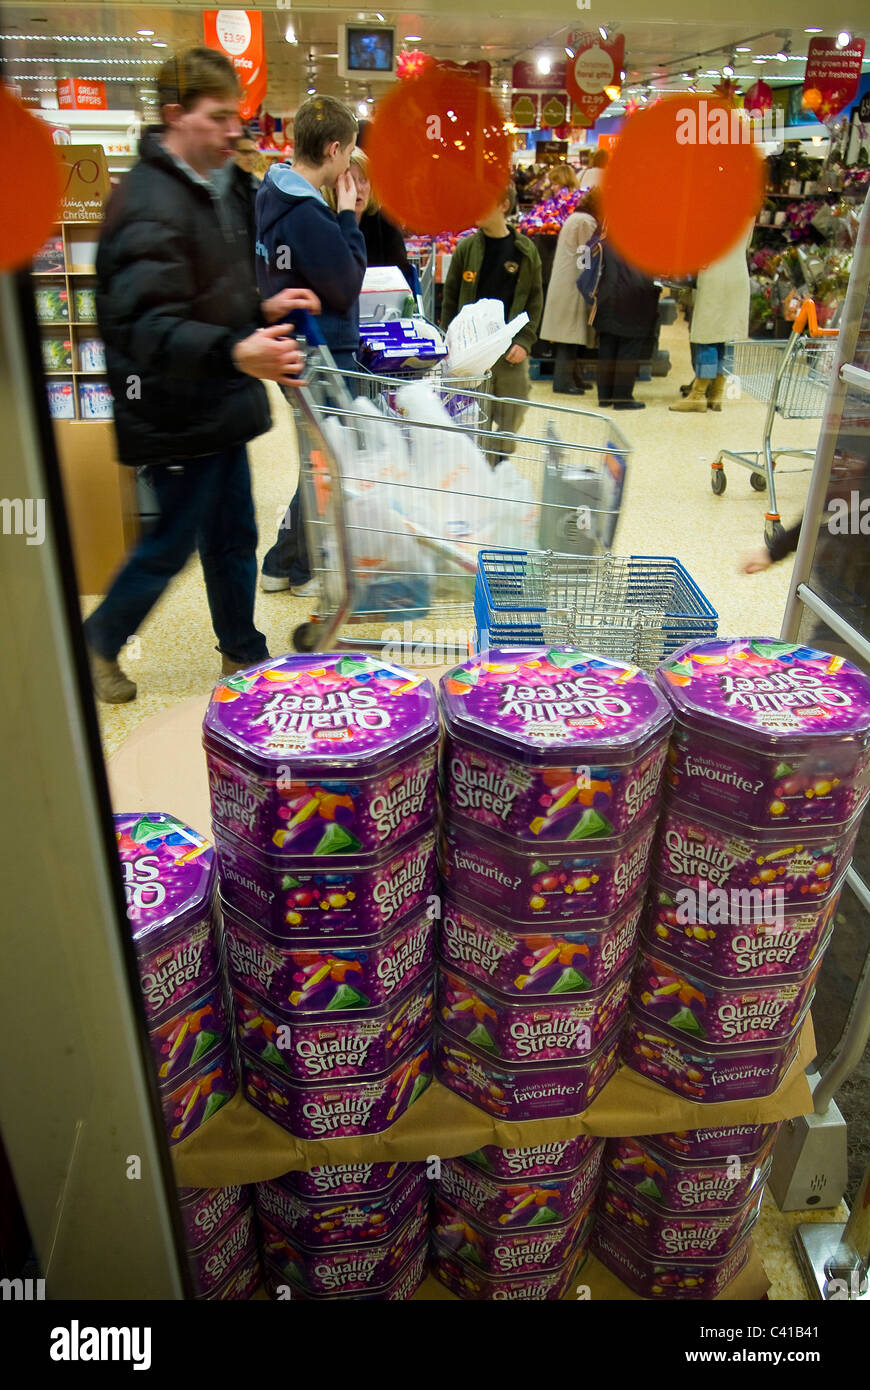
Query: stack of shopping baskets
[[637, 608]]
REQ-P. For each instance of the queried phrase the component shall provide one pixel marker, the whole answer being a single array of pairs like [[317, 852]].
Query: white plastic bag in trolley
[[520, 513], [453, 506], [370, 448], [478, 336]]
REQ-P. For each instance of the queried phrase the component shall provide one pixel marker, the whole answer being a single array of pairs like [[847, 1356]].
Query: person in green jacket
[[496, 262]]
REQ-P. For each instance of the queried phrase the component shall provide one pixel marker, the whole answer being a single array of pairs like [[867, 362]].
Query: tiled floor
[[668, 509]]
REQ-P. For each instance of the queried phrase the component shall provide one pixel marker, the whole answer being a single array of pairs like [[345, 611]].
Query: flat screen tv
[[367, 52]]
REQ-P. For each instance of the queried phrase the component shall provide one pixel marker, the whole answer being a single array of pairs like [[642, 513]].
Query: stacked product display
[[322, 774], [170, 883], [675, 1210], [515, 1223], [354, 1231], [768, 774], [551, 769]]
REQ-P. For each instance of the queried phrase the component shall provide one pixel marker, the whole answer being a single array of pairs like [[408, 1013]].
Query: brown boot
[[716, 394], [696, 399], [232, 668], [110, 683]]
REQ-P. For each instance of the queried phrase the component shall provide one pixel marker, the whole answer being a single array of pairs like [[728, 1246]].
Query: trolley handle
[[807, 319]]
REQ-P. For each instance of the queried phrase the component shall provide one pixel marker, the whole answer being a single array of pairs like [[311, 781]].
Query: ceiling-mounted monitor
[[367, 52]]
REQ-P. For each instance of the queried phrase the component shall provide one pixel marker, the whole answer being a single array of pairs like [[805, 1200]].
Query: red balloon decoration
[[413, 64], [758, 98], [440, 158]]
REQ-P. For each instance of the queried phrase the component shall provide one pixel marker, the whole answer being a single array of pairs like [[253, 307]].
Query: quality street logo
[[76, 1343], [716, 124]]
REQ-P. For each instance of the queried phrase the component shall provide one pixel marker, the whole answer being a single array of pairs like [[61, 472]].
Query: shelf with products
[[65, 298]]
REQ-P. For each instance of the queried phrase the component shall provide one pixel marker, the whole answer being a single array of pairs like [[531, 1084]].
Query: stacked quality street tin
[[322, 775], [352, 1231], [170, 883], [768, 773], [675, 1210], [550, 780], [514, 1224]]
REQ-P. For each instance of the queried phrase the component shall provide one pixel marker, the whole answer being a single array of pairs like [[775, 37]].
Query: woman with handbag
[[720, 315], [565, 314], [623, 307]]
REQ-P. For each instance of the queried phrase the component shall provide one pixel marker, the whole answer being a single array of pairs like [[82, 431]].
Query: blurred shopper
[[302, 243], [385, 244], [498, 263], [185, 343], [565, 322], [591, 176], [623, 306], [720, 315], [240, 186]]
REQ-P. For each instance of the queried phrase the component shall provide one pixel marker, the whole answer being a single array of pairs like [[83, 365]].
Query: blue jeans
[[205, 504], [708, 360]]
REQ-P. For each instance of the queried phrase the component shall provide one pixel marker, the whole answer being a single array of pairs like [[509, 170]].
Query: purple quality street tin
[[524, 1091], [470, 1282], [666, 1235], [502, 1251], [745, 1141], [551, 743], [522, 959], [338, 1044], [344, 1269], [318, 1110], [747, 938], [241, 1284], [310, 977], [183, 1039], [356, 896], [322, 754], [515, 1204], [529, 1030], [719, 1010], [206, 1210], [169, 883], [576, 883], [678, 1184], [707, 1072], [324, 1222], [556, 1159], [652, 1277], [401, 1287], [210, 1265], [793, 866], [200, 1093], [341, 1180], [768, 732]]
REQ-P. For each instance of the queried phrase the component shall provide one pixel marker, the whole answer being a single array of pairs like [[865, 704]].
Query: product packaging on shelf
[[763, 941], [322, 755], [515, 1202], [721, 1181], [550, 744], [401, 1287], [340, 1044], [525, 959], [324, 1222], [552, 1160], [530, 1030], [207, 1210], [771, 734], [500, 1250], [650, 1276], [470, 1282], [211, 1264], [169, 882], [344, 1180], [667, 1235], [349, 1269]]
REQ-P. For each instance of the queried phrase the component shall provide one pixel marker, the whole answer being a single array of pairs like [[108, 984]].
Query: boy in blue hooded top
[[302, 243]]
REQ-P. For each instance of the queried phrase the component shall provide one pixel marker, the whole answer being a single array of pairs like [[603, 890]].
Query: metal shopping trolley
[[397, 507], [422, 262], [792, 377], [637, 608]]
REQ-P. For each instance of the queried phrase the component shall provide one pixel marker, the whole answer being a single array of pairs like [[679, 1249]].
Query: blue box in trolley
[[636, 608]]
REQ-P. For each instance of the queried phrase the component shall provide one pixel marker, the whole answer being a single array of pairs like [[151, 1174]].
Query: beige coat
[[564, 318], [720, 313]]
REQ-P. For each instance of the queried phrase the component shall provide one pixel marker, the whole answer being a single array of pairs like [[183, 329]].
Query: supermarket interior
[[438, 759]]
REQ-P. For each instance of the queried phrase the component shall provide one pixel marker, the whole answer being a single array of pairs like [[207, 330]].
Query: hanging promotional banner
[[526, 76], [555, 110], [759, 97], [524, 110], [74, 94], [832, 76], [239, 34], [596, 65]]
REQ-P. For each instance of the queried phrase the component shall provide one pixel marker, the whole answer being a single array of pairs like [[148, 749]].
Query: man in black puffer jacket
[[186, 342]]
